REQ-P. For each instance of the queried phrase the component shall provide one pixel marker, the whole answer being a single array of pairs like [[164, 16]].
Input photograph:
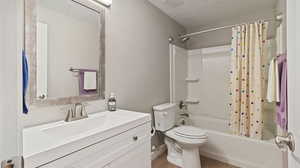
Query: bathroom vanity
[[118, 139]]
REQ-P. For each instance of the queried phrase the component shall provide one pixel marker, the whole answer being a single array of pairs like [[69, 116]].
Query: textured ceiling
[[199, 13]]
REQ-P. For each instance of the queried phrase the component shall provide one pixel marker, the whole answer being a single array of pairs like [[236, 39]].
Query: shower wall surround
[[213, 70], [211, 66], [207, 71]]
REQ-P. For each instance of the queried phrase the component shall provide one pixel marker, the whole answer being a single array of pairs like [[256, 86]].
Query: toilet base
[[183, 157], [175, 161], [174, 154], [191, 158]]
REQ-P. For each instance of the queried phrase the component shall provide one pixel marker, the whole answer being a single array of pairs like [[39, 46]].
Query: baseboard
[[229, 160], [158, 151]]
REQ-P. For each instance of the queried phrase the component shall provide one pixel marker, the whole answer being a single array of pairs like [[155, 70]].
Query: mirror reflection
[[68, 49]]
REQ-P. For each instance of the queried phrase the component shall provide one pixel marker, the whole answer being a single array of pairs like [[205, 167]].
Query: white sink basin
[[71, 129], [55, 140]]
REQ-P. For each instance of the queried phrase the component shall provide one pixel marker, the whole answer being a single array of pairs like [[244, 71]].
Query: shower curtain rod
[[278, 18]]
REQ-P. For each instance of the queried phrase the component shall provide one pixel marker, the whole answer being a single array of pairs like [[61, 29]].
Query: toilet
[[182, 142]]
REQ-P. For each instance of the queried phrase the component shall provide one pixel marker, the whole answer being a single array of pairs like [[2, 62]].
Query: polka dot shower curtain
[[247, 84]]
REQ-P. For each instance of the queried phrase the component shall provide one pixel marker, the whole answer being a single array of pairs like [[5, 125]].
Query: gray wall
[[138, 53], [223, 37], [137, 60]]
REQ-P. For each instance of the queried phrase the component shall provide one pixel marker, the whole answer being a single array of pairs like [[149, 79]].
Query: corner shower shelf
[[192, 101], [192, 80]]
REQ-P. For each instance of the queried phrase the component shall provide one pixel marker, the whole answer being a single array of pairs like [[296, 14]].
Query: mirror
[[64, 42]]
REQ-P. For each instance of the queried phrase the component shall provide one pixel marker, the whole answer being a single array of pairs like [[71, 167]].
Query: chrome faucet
[[183, 107], [76, 112]]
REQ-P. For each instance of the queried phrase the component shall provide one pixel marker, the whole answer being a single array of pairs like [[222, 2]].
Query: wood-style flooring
[[162, 162]]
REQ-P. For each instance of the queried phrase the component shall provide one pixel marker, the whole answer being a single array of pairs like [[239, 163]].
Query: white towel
[[90, 81], [279, 40], [273, 82], [273, 94]]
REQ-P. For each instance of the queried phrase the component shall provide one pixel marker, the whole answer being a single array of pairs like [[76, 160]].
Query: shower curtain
[[248, 79]]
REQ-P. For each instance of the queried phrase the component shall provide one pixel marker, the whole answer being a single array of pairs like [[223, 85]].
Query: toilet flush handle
[[165, 114]]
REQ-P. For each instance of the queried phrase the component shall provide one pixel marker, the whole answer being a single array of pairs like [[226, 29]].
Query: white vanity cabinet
[[122, 141], [137, 158], [130, 149]]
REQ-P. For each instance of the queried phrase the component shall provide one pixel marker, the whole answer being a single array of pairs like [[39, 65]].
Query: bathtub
[[235, 150]]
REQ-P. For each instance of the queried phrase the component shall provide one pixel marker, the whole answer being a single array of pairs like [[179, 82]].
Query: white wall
[[281, 8], [9, 78]]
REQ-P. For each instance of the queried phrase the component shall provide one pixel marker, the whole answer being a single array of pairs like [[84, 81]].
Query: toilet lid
[[190, 132]]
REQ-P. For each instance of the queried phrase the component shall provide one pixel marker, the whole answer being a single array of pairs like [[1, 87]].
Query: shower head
[[185, 39]]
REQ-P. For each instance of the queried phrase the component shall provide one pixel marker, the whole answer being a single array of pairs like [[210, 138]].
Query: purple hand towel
[[282, 106]]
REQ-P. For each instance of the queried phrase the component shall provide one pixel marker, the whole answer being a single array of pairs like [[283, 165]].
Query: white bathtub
[[239, 151]]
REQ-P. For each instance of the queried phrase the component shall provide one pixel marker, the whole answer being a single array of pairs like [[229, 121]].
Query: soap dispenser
[[112, 102]]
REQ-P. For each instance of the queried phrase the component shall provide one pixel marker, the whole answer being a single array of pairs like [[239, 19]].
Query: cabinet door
[[137, 158]]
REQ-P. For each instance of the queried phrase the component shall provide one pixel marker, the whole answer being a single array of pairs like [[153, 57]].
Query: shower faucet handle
[[182, 105], [184, 115]]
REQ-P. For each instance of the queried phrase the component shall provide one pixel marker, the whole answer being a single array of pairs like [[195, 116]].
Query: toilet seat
[[183, 136], [190, 132]]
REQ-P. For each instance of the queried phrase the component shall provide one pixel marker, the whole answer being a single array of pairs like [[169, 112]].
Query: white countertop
[[45, 143]]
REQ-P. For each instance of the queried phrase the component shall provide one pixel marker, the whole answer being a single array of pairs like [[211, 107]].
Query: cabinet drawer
[[101, 154]]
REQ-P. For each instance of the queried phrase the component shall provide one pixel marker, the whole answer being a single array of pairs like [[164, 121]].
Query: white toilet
[[183, 142]]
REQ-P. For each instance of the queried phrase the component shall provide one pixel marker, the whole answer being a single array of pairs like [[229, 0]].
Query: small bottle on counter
[[112, 102]]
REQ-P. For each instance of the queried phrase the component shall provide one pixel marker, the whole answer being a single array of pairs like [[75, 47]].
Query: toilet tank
[[164, 116]]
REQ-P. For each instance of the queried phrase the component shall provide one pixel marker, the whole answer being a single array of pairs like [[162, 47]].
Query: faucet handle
[[83, 112], [76, 112], [69, 115], [182, 105], [77, 107], [80, 109]]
